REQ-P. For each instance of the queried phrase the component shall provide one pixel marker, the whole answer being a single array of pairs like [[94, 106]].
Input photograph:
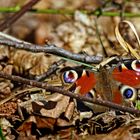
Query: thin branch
[[19, 92], [1, 133], [67, 12], [51, 70], [8, 22], [52, 49], [61, 90], [99, 37]]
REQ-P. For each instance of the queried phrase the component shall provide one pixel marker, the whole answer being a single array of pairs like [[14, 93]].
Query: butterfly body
[[118, 85]]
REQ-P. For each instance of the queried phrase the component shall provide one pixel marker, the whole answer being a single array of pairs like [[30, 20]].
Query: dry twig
[[51, 70], [52, 49], [68, 93], [8, 22]]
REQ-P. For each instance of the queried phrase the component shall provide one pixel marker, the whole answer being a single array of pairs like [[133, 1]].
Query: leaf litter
[[33, 113]]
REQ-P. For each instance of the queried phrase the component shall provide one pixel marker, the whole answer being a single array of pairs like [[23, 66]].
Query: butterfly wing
[[128, 75], [86, 82], [83, 80]]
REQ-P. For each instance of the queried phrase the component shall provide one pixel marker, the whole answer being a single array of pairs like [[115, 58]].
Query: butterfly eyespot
[[129, 93], [136, 65], [90, 94], [70, 76]]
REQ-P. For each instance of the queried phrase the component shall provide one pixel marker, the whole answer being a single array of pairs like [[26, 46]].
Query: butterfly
[[119, 84]]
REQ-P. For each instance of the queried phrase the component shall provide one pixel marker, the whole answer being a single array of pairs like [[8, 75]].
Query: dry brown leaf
[[127, 47], [125, 132], [28, 62], [51, 107], [8, 108]]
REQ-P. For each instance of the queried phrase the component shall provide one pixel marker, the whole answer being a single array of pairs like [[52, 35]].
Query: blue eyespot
[[129, 93], [90, 94], [70, 76]]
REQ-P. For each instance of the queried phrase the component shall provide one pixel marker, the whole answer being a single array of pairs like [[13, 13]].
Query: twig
[[4, 114], [61, 90], [100, 40], [51, 70], [1, 133], [67, 12], [14, 94], [8, 22], [52, 49]]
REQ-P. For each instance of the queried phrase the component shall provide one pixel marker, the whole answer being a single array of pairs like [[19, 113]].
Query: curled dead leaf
[[51, 108], [24, 62], [127, 47]]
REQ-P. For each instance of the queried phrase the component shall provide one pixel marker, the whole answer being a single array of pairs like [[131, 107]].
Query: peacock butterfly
[[119, 85]]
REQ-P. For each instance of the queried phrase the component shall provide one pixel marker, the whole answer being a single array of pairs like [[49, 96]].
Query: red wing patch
[[127, 77], [86, 82]]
